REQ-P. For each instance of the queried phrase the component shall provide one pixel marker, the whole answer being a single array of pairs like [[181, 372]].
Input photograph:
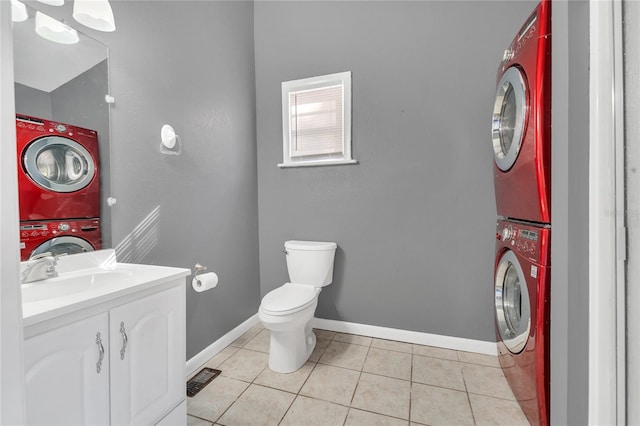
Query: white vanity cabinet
[[67, 374], [147, 356], [141, 377]]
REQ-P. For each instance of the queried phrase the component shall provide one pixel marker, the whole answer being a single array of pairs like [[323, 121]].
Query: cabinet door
[[147, 357], [67, 374]]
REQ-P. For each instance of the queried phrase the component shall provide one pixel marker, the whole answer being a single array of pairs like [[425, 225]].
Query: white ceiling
[[45, 65]]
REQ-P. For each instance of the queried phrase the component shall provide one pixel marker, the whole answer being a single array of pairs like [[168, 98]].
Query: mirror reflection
[[62, 136]]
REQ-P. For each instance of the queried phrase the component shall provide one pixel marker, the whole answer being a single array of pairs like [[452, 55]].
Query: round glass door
[[63, 245], [59, 164], [513, 309], [508, 122]]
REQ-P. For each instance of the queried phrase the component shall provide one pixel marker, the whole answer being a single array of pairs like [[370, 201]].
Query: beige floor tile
[[388, 363], [314, 412], [258, 406], [383, 395], [360, 418], [244, 365], [212, 401], [194, 421], [391, 345], [489, 381], [353, 339], [495, 411], [344, 355], [435, 352], [260, 342], [437, 372], [321, 345], [481, 359], [330, 383], [324, 334], [221, 357], [290, 382], [438, 406], [248, 335]]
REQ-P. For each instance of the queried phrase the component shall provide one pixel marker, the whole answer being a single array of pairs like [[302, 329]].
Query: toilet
[[288, 310]]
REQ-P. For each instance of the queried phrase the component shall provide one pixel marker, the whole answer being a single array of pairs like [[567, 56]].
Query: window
[[316, 121]]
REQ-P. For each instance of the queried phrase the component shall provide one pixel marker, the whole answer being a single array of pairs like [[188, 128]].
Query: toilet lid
[[289, 297]]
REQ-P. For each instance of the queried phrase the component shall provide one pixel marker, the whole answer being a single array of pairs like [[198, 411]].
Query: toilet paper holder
[[199, 269]]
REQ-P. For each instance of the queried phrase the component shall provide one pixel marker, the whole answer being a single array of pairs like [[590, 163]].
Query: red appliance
[[59, 237], [521, 125], [522, 288], [58, 170]]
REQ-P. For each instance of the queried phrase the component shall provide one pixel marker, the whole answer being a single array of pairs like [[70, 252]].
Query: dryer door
[[63, 245], [513, 309], [58, 164], [509, 118]]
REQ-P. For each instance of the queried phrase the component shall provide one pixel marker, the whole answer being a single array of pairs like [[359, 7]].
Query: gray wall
[[570, 206], [415, 219], [189, 64], [33, 102]]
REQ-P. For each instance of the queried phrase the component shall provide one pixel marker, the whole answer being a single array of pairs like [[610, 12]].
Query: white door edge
[[604, 369]]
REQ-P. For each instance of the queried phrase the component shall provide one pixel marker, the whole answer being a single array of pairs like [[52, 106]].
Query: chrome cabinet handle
[[125, 340], [101, 350]]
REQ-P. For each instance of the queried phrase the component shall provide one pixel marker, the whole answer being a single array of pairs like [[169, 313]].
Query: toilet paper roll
[[204, 282]]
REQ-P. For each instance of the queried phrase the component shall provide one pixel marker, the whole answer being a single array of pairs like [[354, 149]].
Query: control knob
[[63, 227], [507, 233]]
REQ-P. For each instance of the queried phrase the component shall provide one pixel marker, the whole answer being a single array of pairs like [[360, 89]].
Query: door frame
[[607, 247]]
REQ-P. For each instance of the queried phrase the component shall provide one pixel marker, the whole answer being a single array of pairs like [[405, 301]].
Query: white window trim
[[343, 78]]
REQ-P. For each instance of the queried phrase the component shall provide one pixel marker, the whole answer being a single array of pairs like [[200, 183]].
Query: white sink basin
[[87, 279], [71, 283]]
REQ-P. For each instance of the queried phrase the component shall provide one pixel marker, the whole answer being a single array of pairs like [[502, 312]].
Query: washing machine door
[[58, 164], [63, 245], [509, 118], [512, 302]]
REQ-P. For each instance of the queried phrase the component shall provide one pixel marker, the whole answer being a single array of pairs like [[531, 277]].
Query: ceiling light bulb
[[55, 31], [18, 11], [96, 14], [52, 2]]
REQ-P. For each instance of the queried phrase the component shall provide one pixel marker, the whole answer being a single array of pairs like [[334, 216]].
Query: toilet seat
[[289, 298]]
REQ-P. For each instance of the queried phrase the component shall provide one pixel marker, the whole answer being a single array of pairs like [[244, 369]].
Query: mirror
[[62, 128]]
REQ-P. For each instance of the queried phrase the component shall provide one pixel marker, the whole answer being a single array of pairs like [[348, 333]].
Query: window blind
[[316, 121]]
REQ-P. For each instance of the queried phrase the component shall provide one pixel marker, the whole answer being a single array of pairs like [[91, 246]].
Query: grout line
[[464, 380], [410, 384]]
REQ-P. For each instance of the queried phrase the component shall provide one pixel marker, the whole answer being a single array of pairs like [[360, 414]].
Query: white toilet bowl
[[288, 312]]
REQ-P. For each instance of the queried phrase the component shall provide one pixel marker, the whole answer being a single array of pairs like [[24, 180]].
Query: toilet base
[[292, 339], [288, 351]]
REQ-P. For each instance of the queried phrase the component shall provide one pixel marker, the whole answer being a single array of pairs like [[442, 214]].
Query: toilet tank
[[310, 262]]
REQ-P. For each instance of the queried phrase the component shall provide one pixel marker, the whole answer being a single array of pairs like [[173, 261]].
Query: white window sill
[[317, 163]]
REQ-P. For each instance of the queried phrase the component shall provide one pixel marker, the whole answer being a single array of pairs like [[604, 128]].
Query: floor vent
[[200, 380]]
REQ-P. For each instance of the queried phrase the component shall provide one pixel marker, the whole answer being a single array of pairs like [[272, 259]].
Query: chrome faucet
[[40, 268]]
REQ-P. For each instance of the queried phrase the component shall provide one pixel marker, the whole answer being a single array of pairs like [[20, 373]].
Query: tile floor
[[355, 380]]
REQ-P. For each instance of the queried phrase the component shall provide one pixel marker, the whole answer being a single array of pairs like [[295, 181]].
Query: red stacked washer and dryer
[[58, 187], [521, 134]]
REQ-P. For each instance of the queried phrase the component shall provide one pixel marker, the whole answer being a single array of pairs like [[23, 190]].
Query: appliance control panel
[[38, 230], [521, 238]]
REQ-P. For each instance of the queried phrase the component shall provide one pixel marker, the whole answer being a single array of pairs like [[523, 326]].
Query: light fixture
[[96, 14], [52, 2], [18, 11], [55, 31], [169, 141]]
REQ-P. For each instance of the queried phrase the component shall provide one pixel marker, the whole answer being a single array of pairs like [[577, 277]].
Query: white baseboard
[[210, 351], [446, 342]]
